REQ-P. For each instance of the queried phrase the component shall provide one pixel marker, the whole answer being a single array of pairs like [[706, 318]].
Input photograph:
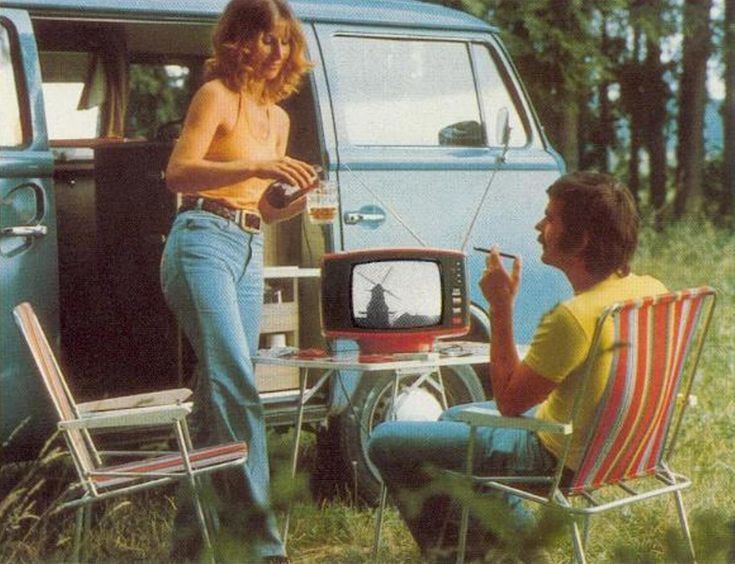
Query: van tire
[[342, 465]]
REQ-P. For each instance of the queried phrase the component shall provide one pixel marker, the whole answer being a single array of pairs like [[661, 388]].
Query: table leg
[[425, 377], [303, 377], [464, 521], [442, 390]]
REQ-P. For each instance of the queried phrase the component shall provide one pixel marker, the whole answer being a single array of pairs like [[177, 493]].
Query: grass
[[683, 255]]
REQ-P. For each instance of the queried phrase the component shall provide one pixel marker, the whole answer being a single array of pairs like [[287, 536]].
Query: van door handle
[[351, 218], [366, 214], [25, 231]]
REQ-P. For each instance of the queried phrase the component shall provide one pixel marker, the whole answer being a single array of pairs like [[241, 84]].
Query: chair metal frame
[[97, 480], [682, 319]]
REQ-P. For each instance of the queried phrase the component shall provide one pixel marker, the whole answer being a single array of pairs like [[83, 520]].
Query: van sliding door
[[28, 269]]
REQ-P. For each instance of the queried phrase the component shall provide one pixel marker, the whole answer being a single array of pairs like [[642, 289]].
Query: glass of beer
[[321, 203]]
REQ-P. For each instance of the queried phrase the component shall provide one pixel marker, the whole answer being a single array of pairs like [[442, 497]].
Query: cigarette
[[488, 251]]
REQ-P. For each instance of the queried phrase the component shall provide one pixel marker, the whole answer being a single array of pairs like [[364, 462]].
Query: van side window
[[406, 92], [11, 124], [64, 74], [159, 97], [495, 94]]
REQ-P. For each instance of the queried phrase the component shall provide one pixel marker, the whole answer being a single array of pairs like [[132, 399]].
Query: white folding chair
[[96, 478]]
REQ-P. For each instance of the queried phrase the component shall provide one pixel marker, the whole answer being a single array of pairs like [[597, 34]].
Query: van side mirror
[[502, 131], [462, 134]]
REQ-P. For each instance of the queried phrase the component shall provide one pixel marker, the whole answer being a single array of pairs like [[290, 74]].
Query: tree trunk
[[634, 163], [692, 101], [569, 134], [605, 131], [657, 94], [728, 111]]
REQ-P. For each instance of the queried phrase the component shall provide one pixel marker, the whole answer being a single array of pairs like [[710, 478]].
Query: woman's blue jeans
[[212, 278], [405, 451]]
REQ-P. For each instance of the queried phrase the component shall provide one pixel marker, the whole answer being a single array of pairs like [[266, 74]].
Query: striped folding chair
[[98, 479], [655, 349]]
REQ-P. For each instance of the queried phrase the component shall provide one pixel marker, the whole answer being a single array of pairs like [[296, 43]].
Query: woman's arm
[[188, 169]]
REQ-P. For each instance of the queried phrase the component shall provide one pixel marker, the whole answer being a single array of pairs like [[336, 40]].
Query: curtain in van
[[106, 84]]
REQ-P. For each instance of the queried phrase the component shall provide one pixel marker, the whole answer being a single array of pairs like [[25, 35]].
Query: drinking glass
[[321, 203]]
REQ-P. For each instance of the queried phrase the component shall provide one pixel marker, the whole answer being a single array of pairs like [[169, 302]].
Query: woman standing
[[233, 145]]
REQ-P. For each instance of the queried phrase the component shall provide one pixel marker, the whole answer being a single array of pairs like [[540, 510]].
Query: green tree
[[655, 114], [644, 93], [728, 109], [692, 101], [555, 50], [600, 76], [629, 74]]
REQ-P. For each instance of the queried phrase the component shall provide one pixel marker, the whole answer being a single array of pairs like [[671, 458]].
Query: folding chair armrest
[[150, 399], [136, 417], [485, 417], [690, 399]]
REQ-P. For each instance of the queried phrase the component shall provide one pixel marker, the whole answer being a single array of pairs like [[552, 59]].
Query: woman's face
[[270, 50]]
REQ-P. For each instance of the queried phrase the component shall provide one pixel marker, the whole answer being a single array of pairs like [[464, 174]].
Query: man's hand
[[498, 286], [516, 387]]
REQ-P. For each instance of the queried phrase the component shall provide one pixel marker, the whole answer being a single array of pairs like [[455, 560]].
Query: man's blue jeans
[[212, 278], [403, 451]]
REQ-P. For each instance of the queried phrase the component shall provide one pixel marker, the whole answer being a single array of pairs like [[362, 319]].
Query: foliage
[[158, 96], [682, 254]]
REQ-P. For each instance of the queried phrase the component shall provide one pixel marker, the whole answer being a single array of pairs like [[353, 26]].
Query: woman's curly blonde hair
[[240, 24]]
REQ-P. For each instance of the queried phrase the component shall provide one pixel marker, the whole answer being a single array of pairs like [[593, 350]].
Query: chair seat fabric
[[200, 458]]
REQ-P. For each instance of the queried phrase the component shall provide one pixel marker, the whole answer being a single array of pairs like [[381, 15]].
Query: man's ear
[[584, 241]]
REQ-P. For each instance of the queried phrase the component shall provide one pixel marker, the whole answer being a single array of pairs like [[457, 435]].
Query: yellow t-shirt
[[559, 349]]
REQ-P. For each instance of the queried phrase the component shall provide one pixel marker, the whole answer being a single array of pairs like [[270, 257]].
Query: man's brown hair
[[240, 25], [597, 207]]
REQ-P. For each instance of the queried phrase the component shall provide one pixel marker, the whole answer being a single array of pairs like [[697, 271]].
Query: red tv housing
[[394, 300]]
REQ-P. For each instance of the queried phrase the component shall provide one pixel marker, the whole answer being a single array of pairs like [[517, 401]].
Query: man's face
[[551, 233]]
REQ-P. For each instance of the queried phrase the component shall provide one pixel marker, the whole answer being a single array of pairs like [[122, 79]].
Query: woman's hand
[[292, 171], [498, 286]]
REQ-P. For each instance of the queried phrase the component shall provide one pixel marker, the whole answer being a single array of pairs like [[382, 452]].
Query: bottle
[[280, 194]]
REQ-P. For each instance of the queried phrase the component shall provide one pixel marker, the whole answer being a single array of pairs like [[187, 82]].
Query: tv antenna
[[503, 129]]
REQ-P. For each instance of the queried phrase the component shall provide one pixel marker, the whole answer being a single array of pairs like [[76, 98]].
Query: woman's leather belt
[[246, 219]]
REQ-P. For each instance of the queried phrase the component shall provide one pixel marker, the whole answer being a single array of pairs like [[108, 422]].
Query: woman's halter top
[[242, 142]]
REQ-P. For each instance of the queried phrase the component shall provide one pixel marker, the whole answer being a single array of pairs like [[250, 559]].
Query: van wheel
[[342, 461]]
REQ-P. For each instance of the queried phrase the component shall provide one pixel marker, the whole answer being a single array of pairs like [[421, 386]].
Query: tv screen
[[402, 294]]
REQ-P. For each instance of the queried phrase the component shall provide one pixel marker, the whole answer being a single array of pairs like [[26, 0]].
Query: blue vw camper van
[[415, 109]]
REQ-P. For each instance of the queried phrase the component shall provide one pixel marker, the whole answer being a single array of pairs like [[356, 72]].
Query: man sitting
[[589, 232]]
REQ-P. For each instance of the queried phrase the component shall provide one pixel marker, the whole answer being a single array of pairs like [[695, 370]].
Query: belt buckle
[[249, 222]]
